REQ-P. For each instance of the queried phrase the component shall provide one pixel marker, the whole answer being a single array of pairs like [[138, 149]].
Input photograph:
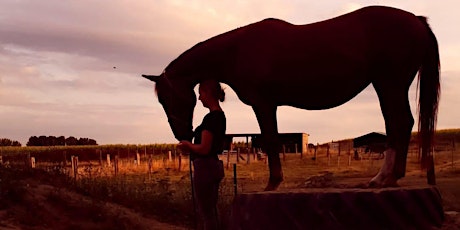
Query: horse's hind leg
[[394, 103], [266, 116]]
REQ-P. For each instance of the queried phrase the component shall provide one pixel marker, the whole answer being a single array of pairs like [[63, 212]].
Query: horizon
[[164, 143]]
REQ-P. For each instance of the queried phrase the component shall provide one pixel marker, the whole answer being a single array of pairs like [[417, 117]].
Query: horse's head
[[178, 101]]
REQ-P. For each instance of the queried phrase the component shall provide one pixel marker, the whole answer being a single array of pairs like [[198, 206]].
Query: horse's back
[[348, 50], [370, 14], [367, 35]]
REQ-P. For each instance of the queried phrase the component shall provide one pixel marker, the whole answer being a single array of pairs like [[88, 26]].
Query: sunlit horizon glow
[[57, 59]]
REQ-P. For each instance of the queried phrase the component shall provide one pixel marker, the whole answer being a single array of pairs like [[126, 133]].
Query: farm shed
[[369, 139], [373, 142], [290, 141]]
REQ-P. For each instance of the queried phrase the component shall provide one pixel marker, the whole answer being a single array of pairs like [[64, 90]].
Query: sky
[[72, 68]]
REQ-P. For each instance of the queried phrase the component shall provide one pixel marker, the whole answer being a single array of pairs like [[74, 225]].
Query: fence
[[111, 162]]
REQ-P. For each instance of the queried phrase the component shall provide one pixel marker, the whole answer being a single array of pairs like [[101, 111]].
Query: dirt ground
[[39, 205], [43, 206]]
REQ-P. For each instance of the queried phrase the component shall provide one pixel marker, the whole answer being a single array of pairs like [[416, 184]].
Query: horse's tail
[[429, 93]]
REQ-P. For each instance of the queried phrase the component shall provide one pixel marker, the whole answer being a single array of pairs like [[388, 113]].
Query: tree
[[58, 141], [92, 142], [8, 142], [71, 141], [86, 141], [42, 141], [33, 141]]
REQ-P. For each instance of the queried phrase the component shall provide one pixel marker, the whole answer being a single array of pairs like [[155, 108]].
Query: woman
[[208, 142]]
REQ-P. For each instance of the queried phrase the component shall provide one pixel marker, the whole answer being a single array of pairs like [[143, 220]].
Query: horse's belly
[[315, 97]]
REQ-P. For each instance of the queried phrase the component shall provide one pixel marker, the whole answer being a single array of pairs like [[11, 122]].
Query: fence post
[[235, 185], [32, 162], [74, 162], [100, 157], [108, 160], [228, 158], [453, 148], [349, 155], [138, 159], [150, 165], [238, 155], [248, 156], [180, 163], [72, 166], [301, 151], [115, 163], [316, 149], [338, 155]]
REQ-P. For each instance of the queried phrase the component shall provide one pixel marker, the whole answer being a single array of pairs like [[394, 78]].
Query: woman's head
[[210, 93], [213, 89]]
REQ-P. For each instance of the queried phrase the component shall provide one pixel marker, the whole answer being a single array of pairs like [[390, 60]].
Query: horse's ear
[[154, 78]]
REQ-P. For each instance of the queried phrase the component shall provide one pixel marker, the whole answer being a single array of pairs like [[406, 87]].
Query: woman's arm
[[201, 149]]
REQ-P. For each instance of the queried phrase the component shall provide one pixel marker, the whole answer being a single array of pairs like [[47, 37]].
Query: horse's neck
[[191, 80], [182, 82], [203, 62]]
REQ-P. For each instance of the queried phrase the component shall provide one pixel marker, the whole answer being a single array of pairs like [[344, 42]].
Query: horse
[[274, 63]]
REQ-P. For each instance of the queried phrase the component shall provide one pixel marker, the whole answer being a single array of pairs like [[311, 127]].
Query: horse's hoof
[[273, 184], [390, 183], [387, 182], [374, 184]]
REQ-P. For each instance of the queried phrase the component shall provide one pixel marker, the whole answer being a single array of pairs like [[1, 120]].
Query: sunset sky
[[73, 68]]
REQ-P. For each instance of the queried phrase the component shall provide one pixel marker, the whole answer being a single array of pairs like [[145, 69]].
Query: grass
[[165, 192]]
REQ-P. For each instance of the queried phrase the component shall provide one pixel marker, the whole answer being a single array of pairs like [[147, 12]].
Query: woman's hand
[[201, 149], [184, 146]]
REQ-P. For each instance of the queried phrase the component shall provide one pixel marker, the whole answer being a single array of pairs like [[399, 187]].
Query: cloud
[[57, 59]]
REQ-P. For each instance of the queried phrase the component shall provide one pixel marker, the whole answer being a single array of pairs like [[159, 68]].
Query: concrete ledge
[[339, 208]]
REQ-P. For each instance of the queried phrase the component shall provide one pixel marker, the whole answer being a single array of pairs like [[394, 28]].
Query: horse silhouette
[[316, 66]]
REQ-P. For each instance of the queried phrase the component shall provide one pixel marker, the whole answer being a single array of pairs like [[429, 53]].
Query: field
[[153, 192]]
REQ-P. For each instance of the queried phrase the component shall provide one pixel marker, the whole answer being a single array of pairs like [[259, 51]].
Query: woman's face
[[203, 96]]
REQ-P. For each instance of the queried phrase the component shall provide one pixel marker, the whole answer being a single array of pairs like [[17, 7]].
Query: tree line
[[59, 141], [8, 142]]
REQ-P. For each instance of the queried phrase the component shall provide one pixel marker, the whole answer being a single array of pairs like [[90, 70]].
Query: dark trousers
[[207, 175]]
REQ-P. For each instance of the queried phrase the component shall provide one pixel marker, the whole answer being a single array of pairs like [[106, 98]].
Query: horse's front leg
[[266, 116]]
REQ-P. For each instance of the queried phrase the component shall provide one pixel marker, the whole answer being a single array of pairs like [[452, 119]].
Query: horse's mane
[[223, 41], [194, 50]]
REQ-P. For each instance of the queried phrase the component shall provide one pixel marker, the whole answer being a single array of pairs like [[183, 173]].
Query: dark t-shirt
[[214, 122]]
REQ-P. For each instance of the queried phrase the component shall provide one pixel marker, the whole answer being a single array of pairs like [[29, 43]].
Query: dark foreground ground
[[36, 201]]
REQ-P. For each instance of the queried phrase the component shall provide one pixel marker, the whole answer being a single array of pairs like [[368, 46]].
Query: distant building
[[371, 142], [292, 142]]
